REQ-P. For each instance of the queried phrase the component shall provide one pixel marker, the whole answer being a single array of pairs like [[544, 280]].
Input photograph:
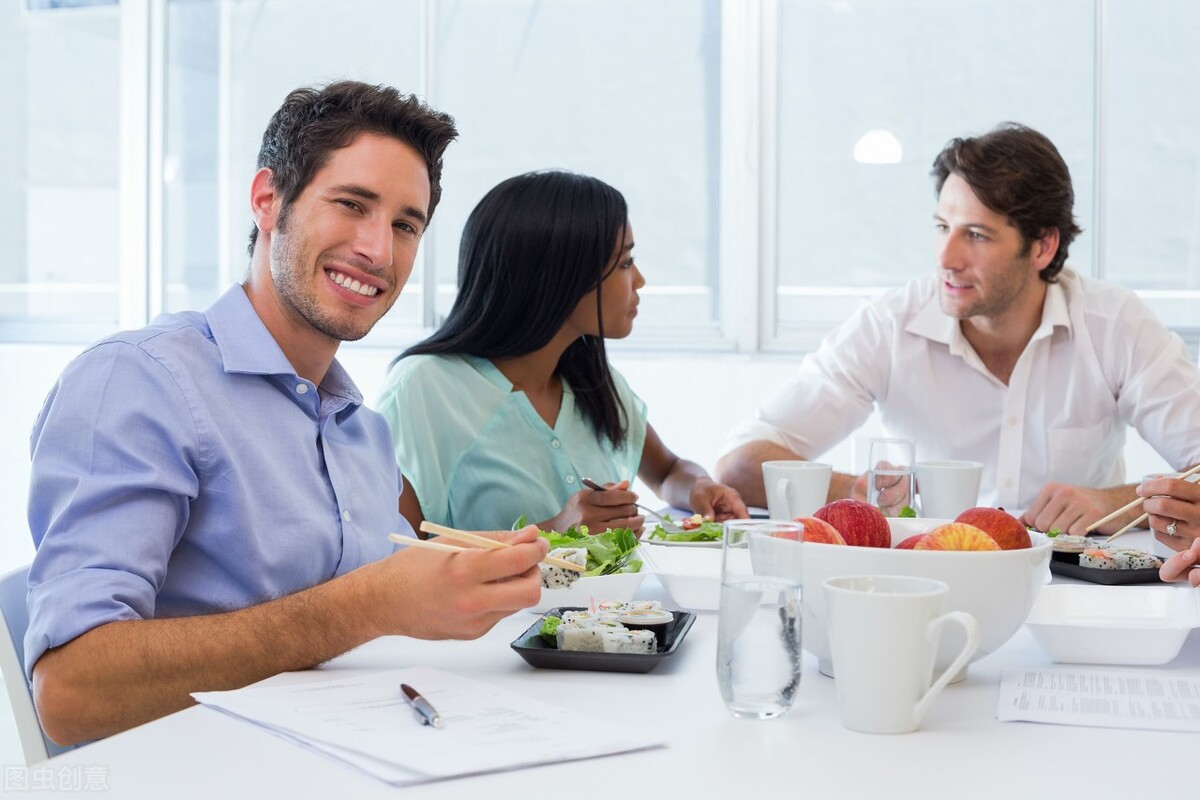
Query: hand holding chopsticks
[[1189, 475], [469, 538]]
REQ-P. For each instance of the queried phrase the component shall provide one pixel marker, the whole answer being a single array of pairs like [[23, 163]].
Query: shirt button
[[555, 443], [1013, 420], [1008, 484], [570, 479], [345, 516], [301, 388]]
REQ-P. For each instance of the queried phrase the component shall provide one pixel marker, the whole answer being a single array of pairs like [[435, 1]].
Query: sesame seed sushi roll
[[623, 640], [1139, 559], [1065, 543], [581, 638], [561, 577], [1097, 558]]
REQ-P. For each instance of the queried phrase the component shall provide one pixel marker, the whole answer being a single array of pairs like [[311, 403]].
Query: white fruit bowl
[[998, 588]]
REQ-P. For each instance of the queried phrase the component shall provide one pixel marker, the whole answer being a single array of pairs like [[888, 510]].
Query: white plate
[[667, 543], [1077, 624]]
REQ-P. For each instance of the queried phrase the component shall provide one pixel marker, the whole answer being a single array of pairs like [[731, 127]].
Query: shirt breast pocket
[[1090, 456]]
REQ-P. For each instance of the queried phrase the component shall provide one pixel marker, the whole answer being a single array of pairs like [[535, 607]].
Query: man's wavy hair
[[1017, 172], [314, 122]]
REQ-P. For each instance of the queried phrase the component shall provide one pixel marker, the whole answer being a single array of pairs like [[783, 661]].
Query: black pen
[[421, 707]]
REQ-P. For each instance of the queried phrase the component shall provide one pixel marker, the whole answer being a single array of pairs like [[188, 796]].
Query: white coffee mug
[[948, 488], [883, 634], [795, 488]]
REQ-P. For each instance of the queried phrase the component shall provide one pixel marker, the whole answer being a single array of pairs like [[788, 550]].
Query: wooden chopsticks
[[470, 538], [1132, 505]]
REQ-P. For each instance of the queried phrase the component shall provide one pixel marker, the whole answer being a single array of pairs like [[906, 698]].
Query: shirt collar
[[1055, 311], [487, 369], [248, 347], [932, 324]]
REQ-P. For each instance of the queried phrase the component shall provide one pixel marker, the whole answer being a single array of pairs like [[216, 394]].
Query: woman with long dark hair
[[506, 408]]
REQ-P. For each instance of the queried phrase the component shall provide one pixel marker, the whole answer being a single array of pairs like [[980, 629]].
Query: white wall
[[693, 401]]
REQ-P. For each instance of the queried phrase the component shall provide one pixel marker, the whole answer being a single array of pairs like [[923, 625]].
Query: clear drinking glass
[[891, 480], [758, 630]]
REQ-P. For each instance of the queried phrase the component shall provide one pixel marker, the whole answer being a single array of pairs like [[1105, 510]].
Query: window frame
[[748, 297]]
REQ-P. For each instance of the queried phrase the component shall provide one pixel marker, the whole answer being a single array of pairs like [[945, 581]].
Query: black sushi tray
[[1067, 565], [539, 653]]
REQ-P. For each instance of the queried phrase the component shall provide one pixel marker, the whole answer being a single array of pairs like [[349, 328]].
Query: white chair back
[[15, 615]]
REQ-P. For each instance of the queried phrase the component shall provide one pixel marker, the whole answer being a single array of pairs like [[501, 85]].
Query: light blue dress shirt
[[479, 456], [186, 469]]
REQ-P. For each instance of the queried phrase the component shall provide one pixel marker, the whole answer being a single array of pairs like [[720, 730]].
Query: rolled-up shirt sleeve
[[115, 465], [1157, 384]]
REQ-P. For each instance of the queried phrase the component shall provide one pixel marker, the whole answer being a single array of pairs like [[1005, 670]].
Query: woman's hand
[[711, 499], [611, 508], [1174, 509], [1181, 566]]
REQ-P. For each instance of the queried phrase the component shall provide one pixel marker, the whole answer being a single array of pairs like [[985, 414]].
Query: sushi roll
[[561, 577], [1065, 543], [1097, 558], [583, 638], [578, 617], [622, 640], [1138, 559], [639, 606]]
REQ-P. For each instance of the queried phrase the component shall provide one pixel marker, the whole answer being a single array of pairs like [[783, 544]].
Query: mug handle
[[972, 630], [783, 489]]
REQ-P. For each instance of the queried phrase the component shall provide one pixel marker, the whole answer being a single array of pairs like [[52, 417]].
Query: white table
[[962, 751]]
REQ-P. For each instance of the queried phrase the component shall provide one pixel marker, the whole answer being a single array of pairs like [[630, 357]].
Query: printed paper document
[[1163, 701], [365, 721]]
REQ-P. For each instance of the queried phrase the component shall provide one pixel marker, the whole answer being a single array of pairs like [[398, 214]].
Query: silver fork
[[666, 524]]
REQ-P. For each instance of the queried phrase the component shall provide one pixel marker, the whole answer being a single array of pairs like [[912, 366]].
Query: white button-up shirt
[[1100, 360]]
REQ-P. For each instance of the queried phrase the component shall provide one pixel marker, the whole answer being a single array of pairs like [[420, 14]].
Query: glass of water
[[891, 478], [758, 631]]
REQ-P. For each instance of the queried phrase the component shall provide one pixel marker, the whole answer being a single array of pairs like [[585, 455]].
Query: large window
[[774, 154], [59, 192], [624, 90], [869, 92], [1149, 231]]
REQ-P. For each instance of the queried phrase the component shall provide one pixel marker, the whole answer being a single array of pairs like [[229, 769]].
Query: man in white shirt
[[1003, 356]]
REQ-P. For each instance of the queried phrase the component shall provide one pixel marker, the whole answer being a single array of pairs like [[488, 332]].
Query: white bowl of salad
[[614, 568]]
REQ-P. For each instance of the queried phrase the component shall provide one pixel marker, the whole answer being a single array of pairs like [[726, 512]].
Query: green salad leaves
[[708, 531], [607, 553]]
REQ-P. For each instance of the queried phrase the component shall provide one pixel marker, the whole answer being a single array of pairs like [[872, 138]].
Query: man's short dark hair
[[1017, 172], [313, 122]]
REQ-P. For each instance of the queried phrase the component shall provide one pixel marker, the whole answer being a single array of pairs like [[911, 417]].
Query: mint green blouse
[[478, 455]]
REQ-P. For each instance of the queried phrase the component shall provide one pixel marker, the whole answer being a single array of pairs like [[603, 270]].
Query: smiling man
[[1003, 356], [209, 498]]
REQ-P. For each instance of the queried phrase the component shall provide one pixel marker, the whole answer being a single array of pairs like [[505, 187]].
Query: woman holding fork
[[511, 404], [1174, 509]]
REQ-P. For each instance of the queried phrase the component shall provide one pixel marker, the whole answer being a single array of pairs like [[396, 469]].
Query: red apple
[[818, 530], [911, 542], [957, 536], [997, 523], [860, 524]]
